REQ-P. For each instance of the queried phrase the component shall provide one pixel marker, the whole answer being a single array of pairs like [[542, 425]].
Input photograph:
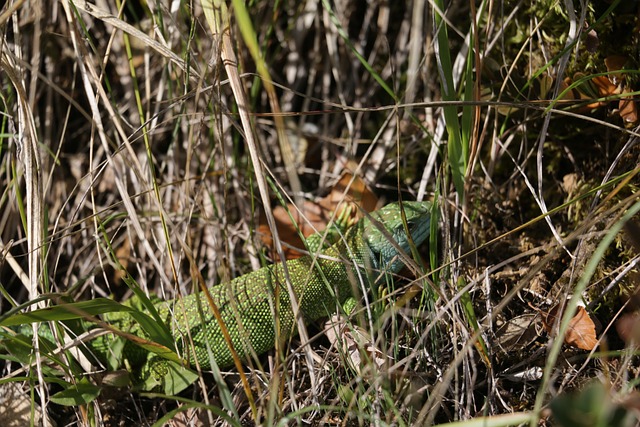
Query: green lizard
[[247, 304]]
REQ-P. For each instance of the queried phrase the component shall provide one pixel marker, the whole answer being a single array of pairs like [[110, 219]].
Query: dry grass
[[133, 145]]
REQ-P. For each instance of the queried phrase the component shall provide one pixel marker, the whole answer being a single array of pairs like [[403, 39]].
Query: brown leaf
[[628, 110], [308, 219], [312, 216], [570, 95], [351, 189], [548, 319], [616, 63], [123, 255], [581, 332], [516, 333], [604, 86]]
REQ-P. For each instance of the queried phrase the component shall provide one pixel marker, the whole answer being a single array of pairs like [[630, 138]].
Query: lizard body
[[250, 304]]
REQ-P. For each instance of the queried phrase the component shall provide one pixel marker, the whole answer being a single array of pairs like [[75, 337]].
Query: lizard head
[[387, 223]]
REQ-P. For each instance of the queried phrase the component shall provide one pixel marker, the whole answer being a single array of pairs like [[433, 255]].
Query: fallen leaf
[[616, 63], [581, 332], [628, 109], [350, 189], [312, 217], [308, 218], [123, 255], [516, 333], [571, 94], [605, 86]]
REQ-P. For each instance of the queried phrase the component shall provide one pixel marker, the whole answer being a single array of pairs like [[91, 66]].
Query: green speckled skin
[[247, 306], [321, 283]]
